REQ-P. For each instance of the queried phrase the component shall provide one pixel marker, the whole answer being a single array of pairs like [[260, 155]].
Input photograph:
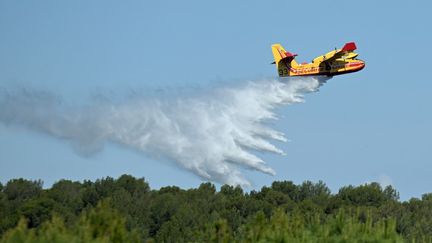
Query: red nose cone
[[361, 66]]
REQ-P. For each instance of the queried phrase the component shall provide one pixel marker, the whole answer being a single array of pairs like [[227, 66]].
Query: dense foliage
[[127, 210]]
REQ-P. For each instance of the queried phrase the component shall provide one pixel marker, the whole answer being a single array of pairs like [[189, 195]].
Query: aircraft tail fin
[[278, 53], [283, 59]]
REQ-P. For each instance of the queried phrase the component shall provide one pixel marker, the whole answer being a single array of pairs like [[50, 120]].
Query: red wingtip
[[350, 46]]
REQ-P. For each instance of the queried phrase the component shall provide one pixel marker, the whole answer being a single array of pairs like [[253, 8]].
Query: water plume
[[213, 134]]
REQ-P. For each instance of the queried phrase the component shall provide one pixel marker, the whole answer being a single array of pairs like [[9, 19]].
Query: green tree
[[101, 224], [15, 193], [19, 190], [67, 194], [366, 195], [37, 211]]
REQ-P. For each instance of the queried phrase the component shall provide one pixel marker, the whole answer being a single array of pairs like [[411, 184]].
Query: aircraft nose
[[362, 65], [358, 65]]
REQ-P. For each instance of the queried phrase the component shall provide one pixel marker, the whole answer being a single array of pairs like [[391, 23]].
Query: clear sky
[[374, 125]]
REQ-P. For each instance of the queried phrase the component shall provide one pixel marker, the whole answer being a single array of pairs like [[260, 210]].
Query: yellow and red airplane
[[339, 61]]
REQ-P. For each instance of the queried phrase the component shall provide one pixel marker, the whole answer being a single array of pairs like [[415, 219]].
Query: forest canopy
[[126, 209]]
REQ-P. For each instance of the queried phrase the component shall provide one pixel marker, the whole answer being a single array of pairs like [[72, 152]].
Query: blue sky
[[374, 125]]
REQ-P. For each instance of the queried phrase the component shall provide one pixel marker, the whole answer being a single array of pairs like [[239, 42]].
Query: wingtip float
[[337, 62]]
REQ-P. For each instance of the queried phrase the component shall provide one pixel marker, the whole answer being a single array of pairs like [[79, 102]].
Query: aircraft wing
[[348, 47]]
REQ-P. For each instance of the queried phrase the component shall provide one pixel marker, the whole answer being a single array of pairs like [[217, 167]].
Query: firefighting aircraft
[[339, 61]]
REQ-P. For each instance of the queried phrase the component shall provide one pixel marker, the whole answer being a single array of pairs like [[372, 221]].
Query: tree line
[[126, 209]]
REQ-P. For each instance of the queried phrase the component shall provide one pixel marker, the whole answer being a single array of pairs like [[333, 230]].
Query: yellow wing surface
[[347, 51]]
